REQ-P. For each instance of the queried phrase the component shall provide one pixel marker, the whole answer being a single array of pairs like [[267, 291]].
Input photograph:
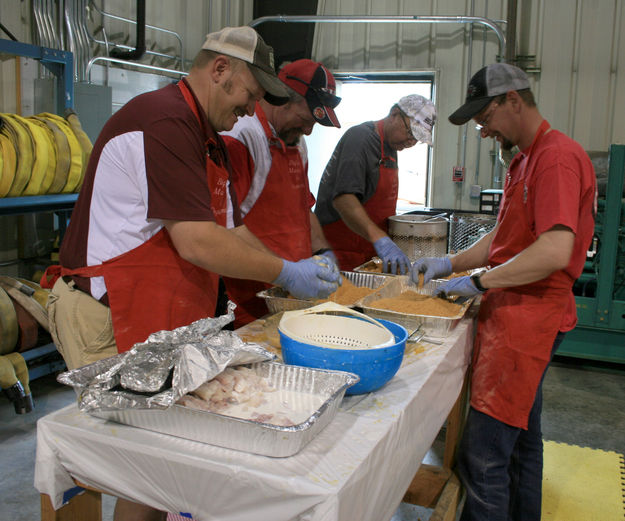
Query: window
[[369, 97]]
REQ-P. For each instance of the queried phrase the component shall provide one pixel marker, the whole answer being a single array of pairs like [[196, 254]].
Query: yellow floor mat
[[582, 484]]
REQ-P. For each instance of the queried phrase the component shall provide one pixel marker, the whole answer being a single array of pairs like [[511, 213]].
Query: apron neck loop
[[271, 137], [380, 128], [188, 97]]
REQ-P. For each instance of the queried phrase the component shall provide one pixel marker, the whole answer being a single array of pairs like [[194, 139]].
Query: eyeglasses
[[407, 126], [325, 95], [483, 123]]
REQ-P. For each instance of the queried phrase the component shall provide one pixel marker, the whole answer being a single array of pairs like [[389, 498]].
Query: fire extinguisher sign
[[457, 174]]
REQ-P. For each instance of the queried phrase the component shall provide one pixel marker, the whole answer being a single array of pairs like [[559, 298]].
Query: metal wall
[[573, 51], [577, 70]]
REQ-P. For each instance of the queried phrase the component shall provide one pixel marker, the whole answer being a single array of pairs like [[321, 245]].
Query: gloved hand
[[431, 267], [334, 262], [309, 278], [393, 259], [462, 286]]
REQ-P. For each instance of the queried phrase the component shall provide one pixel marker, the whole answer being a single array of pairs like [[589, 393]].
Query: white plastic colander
[[334, 326]]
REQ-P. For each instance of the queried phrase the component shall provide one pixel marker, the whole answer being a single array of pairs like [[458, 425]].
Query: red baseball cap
[[316, 83]]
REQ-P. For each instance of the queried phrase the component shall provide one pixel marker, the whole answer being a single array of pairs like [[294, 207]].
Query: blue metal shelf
[[60, 63], [37, 203]]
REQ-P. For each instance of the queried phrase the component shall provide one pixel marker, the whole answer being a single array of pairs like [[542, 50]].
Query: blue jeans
[[501, 467]]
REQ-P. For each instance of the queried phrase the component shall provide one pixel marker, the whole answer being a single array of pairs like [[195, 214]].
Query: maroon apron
[[516, 326], [151, 288], [350, 248], [286, 189]]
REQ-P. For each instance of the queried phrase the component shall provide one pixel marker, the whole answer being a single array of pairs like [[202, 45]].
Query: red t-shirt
[[561, 190]]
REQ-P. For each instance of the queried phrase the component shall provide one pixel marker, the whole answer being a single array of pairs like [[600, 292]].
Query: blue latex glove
[[431, 267], [309, 278], [393, 259], [462, 286], [334, 262]]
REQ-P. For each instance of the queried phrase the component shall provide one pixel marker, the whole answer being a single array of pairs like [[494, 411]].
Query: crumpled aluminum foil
[[154, 374]]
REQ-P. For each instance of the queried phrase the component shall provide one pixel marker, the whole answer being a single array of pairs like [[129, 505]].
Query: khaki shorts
[[81, 327]]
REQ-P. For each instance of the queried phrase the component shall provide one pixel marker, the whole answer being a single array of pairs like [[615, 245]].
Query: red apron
[[516, 326], [350, 248], [151, 288], [286, 188]]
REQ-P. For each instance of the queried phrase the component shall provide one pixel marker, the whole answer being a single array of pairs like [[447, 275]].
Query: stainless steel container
[[419, 235]]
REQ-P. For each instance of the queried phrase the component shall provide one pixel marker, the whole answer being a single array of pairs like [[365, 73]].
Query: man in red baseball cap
[[270, 166]]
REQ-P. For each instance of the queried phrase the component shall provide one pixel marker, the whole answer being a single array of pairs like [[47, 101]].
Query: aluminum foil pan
[[432, 326], [277, 299], [169, 364], [370, 267], [246, 435]]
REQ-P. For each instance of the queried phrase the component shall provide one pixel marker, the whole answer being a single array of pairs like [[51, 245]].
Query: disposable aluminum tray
[[432, 326], [246, 435], [278, 299], [369, 267]]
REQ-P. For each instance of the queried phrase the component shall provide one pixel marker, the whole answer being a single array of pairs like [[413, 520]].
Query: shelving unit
[[600, 289], [61, 63]]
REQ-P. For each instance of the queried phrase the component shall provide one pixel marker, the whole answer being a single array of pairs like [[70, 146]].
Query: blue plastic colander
[[374, 365]]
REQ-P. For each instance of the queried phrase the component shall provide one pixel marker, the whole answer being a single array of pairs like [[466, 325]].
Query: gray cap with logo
[[488, 82]]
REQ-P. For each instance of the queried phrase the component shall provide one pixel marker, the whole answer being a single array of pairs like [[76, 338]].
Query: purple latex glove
[[461, 286], [393, 259], [309, 278], [431, 267]]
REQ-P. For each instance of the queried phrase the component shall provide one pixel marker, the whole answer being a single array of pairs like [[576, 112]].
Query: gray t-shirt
[[352, 169]]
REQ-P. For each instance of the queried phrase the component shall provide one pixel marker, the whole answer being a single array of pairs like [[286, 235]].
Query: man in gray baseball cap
[[488, 82], [532, 257]]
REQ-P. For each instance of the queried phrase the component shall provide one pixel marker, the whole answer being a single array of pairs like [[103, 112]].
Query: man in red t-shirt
[[535, 253]]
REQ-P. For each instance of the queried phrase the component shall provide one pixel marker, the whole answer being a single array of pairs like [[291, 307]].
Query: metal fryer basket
[[467, 228]]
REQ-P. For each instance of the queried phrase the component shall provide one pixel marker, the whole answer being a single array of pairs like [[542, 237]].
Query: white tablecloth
[[358, 467]]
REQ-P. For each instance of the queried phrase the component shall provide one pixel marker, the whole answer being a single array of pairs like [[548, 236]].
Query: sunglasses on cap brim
[[325, 95]]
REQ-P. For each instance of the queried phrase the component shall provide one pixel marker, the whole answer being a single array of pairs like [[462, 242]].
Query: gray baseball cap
[[246, 44], [488, 82]]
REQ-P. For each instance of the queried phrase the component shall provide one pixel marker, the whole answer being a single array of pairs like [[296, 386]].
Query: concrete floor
[[583, 405]]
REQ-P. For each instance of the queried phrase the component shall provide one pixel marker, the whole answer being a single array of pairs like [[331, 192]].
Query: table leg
[[438, 487], [455, 423]]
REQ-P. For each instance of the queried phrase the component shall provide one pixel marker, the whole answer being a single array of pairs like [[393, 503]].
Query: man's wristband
[[321, 251], [476, 281]]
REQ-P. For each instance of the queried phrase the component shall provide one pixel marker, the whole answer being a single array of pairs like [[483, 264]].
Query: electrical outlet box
[[475, 191], [457, 175]]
